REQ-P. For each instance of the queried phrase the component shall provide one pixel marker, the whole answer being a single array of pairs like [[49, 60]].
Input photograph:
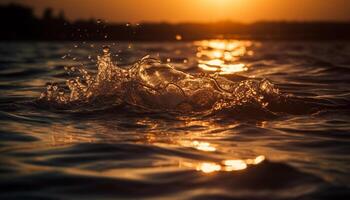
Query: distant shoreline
[[25, 26]]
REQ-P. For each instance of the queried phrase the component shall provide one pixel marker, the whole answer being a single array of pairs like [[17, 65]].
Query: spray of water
[[151, 85]]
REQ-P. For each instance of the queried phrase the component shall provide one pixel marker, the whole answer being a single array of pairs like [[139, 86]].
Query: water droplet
[[49, 86], [106, 49], [178, 37], [55, 86]]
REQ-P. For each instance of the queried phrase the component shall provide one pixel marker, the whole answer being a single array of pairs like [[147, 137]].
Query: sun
[[220, 2], [222, 7], [224, 2]]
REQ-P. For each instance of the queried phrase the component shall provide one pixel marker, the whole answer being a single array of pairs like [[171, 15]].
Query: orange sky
[[197, 10]]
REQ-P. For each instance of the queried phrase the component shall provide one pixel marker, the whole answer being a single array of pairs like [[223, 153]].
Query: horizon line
[[172, 22]]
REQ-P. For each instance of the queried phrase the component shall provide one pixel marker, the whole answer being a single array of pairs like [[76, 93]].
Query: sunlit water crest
[[151, 85]]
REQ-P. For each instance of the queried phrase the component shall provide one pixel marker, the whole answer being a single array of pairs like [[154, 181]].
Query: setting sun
[[218, 3]]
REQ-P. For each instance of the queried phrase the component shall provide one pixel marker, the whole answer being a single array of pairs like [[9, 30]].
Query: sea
[[192, 120]]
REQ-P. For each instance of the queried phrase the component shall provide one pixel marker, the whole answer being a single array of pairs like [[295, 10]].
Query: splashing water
[[151, 85]]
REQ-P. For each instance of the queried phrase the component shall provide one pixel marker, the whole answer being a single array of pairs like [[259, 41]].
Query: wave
[[150, 85], [94, 169]]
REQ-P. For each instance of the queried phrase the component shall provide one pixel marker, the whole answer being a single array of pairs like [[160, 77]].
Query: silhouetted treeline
[[19, 23]]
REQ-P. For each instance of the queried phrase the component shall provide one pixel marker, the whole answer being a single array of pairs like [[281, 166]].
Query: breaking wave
[[153, 86]]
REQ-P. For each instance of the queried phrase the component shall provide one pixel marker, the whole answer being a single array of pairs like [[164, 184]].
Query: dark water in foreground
[[295, 147]]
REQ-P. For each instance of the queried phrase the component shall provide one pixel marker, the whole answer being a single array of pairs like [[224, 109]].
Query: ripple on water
[[147, 130]]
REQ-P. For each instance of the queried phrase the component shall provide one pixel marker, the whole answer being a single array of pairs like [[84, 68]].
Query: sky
[[196, 10]]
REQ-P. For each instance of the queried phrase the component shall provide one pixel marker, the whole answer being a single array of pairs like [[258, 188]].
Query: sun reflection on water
[[203, 146], [234, 165], [223, 56], [255, 161], [224, 166], [208, 167]]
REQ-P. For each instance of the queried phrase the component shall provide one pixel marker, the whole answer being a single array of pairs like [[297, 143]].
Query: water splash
[[152, 85]]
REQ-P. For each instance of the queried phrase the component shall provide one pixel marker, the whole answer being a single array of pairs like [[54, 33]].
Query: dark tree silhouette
[[48, 14]]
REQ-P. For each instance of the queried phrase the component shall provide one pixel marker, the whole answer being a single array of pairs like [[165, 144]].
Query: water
[[192, 120]]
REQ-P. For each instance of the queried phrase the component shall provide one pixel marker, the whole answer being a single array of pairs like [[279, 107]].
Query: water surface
[[294, 145]]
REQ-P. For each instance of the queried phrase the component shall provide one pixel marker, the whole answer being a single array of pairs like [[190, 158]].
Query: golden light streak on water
[[255, 161], [216, 62], [222, 56], [203, 146], [233, 68], [217, 54], [208, 68], [234, 165], [223, 68], [229, 165], [208, 167]]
